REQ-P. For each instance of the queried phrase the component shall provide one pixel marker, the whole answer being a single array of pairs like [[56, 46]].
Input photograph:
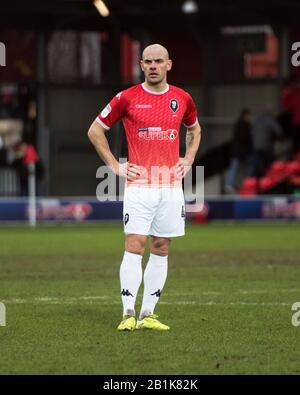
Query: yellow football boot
[[127, 324], [151, 322]]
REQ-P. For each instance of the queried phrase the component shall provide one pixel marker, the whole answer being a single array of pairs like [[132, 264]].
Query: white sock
[[154, 279], [130, 278]]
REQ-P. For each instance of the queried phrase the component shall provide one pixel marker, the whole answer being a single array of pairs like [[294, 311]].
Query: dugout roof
[[139, 14]]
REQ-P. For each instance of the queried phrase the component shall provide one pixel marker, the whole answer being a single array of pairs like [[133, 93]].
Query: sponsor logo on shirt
[[143, 106], [150, 134], [105, 111], [150, 129]]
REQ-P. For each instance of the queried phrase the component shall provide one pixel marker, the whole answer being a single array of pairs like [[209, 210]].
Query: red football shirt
[[152, 124]]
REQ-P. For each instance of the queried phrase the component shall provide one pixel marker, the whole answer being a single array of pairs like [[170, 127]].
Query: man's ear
[[169, 64], [142, 65]]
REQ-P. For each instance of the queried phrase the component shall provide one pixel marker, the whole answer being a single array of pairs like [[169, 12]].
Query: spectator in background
[[291, 103], [264, 130], [25, 154], [240, 150]]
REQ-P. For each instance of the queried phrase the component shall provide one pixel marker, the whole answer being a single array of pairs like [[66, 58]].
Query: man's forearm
[[97, 137], [193, 138]]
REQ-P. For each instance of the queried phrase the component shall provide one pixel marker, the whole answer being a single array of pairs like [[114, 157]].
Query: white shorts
[[154, 211]]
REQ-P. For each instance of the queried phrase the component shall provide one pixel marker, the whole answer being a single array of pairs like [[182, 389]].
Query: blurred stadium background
[[63, 63]]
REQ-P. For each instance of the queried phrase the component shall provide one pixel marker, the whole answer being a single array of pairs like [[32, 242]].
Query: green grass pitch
[[228, 301]]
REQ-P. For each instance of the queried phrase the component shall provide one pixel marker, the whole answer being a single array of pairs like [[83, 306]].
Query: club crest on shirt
[[174, 105]]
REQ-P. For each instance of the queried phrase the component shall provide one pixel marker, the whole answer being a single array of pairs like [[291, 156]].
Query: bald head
[[155, 65], [156, 50]]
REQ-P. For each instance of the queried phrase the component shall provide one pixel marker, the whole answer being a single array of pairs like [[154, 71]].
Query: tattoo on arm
[[189, 138]]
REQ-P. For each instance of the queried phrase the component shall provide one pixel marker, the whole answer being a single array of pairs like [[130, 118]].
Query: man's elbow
[[93, 133]]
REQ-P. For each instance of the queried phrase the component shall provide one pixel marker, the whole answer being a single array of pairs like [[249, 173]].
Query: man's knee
[[135, 244], [159, 246]]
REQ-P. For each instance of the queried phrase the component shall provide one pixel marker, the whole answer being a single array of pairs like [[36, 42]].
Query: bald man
[[152, 113]]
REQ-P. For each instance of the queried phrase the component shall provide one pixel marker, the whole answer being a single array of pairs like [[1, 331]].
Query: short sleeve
[[112, 113], [190, 116]]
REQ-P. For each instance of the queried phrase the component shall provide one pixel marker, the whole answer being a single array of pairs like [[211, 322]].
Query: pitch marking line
[[106, 300]]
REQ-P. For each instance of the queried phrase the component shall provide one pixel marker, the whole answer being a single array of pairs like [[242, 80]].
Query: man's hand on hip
[[130, 171], [183, 166]]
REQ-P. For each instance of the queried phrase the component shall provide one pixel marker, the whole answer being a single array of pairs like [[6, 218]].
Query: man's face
[[155, 65]]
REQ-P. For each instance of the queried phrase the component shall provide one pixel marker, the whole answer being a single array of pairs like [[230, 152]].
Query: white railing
[[9, 182]]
